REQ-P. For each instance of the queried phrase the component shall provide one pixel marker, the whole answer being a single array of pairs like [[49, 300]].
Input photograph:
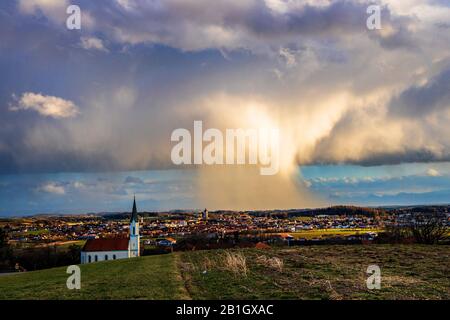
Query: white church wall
[[96, 256]]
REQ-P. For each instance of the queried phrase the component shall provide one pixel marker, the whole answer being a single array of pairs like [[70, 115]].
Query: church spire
[[134, 215]]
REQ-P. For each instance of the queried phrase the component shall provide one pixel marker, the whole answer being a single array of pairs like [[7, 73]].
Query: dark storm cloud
[[418, 101], [339, 16], [121, 91], [387, 158], [251, 24], [196, 25], [134, 180], [401, 38], [139, 69], [401, 198]]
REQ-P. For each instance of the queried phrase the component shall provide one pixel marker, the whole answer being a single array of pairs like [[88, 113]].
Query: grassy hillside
[[318, 272], [154, 277]]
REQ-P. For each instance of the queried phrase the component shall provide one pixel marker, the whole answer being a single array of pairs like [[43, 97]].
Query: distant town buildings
[[117, 236]]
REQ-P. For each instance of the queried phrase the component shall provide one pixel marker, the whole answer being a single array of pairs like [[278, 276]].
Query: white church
[[96, 250]]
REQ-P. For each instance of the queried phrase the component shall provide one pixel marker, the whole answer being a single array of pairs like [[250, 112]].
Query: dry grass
[[322, 272], [208, 264], [274, 263], [187, 267], [236, 263], [333, 294]]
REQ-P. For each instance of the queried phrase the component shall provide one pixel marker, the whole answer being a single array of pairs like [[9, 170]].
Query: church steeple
[[134, 215], [134, 242]]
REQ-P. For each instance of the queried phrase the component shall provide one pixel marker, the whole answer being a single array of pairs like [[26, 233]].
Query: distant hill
[[333, 210], [315, 272]]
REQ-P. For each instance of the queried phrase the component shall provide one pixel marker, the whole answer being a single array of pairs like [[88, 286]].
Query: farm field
[[327, 233]]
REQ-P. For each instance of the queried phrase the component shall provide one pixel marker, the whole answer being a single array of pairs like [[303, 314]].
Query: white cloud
[[93, 43], [54, 9], [288, 56], [79, 185], [433, 172], [126, 4], [277, 6], [52, 187], [47, 106]]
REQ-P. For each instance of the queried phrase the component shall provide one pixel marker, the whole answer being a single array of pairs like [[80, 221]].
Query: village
[[166, 228], [73, 238]]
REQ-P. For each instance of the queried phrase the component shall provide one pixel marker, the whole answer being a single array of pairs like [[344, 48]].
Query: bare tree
[[5, 251], [3, 238], [429, 230]]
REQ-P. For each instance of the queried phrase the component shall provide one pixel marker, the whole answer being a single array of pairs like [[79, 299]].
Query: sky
[[86, 115]]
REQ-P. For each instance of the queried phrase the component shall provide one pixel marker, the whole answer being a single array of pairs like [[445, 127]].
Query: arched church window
[[114, 257], [89, 259], [106, 257], [96, 258]]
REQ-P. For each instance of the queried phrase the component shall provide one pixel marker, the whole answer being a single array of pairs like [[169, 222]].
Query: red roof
[[262, 245], [106, 244]]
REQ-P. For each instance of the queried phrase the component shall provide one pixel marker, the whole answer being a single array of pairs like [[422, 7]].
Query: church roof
[[106, 244], [134, 215]]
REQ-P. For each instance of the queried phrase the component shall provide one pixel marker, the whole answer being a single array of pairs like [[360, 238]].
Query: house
[[104, 249], [167, 242], [262, 245], [286, 237]]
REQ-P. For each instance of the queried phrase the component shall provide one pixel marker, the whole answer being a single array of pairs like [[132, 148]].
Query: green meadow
[[309, 272]]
